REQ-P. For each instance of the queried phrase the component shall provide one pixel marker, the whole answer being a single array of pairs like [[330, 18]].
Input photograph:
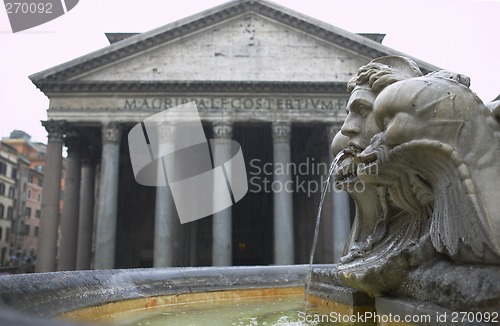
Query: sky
[[458, 35]]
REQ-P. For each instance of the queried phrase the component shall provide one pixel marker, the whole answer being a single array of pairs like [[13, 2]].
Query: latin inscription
[[239, 103]]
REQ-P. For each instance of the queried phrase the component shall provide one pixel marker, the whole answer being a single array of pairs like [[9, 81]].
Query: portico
[[267, 77]]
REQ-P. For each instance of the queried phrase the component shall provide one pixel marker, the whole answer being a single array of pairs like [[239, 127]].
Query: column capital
[[55, 129], [332, 129], [281, 131], [111, 133], [222, 130], [72, 142]]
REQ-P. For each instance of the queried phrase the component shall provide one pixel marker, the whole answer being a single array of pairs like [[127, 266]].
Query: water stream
[[324, 191]]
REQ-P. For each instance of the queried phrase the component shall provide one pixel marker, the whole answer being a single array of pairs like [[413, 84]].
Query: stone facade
[[275, 76], [8, 188]]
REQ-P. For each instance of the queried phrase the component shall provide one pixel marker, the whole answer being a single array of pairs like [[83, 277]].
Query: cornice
[[52, 88]]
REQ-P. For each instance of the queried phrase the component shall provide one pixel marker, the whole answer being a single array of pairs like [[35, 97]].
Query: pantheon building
[[271, 79]]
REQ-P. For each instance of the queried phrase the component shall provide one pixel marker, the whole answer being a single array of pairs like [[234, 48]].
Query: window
[[1, 210], [37, 230], [10, 213], [40, 182], [2, 188], [26, 229], [7, 234], [12, 192], [30, 178], [1, 231], [28, 211], [29, 193], [13, 173], [39, 197], [3, 168], [38, 213]]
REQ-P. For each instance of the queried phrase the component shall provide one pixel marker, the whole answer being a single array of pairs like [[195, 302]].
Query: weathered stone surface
[[212, 20], [107, 205], [47, 246], [246, 52], [50, 294], [455, 287], [326, 284], [259, 49], [236, 107], [426, 150]]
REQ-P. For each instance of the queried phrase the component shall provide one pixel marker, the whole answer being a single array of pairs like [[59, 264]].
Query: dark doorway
[[253, 215]]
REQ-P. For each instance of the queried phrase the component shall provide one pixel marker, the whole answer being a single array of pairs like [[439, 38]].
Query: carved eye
[[363, 110]]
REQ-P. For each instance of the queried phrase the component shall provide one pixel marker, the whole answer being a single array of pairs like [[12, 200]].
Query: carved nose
[[350, 129]]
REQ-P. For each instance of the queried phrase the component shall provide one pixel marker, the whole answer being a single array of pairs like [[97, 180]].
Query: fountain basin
[[69, 298], [36, 299]]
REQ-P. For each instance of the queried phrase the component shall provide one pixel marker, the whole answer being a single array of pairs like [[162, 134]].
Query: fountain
[[424, 246], [426, 236]]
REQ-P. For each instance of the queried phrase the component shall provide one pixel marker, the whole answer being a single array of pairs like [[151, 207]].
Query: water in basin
[[257, 307]]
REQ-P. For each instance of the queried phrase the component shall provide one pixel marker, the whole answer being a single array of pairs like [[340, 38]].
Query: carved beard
[[390, 233]]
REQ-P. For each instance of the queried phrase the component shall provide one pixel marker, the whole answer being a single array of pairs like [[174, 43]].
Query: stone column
[[108, 198], [166, 234], [283, 196], [71, 205], [86, 213], [47, 246], [340, 207], [222, 244]]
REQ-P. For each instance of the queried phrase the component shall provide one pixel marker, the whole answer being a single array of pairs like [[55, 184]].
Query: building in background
[[270, 78], [33, 212], [9, 175], [25, 224]]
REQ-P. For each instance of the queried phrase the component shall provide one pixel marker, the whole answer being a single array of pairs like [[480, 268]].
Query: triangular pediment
[[245, 40], [251, 47]]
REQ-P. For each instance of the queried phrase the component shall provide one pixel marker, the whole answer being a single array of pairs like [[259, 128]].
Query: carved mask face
[[360, 124]]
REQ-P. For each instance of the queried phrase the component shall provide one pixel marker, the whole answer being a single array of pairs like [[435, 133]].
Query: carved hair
[[376, 75], [384, 71]]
